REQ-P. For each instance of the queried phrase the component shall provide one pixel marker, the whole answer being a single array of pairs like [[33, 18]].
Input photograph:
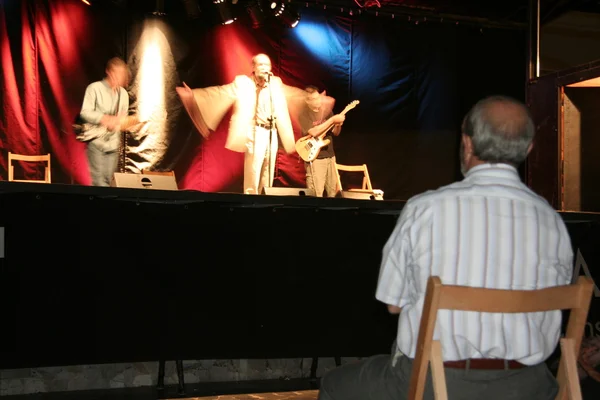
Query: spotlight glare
[[86, 2]]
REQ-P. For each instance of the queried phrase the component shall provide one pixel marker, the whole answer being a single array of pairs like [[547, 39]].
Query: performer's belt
[[484, 363], [266, 126]]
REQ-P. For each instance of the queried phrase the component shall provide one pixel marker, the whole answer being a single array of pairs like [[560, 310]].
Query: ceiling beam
[[410, 14]]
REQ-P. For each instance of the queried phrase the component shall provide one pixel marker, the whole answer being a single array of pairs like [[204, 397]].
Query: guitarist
[[105, 106], [317, 118]]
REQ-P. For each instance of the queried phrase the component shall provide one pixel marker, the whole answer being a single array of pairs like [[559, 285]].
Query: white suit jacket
[[208, 106]]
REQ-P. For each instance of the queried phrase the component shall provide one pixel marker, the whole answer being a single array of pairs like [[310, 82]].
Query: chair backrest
[[366, 184], [161, 173], [20, 157], [576, 297]]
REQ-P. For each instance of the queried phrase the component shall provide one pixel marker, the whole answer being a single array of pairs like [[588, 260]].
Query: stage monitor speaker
[[287, 191], [139, 181], [362, 194]]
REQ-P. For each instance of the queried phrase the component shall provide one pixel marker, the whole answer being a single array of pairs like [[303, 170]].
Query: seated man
[[488, 230]]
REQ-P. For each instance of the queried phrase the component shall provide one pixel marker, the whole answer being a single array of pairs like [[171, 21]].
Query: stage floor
[[193, 196]]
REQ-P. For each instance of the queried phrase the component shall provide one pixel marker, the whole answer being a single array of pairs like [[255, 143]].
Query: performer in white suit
[[260, 112]]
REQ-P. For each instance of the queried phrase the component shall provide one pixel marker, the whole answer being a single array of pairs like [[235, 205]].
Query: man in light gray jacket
[[104, 110]]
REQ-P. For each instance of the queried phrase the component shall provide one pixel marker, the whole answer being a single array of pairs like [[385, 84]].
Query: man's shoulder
[[430, 196], [243, 82], [465, 189], [95, 85], [242, 79]]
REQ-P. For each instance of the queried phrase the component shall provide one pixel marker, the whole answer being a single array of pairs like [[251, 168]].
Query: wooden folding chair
[[20, 157], [576, 297], [366, 188]]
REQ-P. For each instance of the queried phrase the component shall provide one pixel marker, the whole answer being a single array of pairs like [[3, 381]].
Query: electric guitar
[[86, 132], [309, 147]]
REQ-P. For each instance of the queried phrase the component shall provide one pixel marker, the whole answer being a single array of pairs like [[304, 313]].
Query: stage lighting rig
[[225, 12], [159, 9], [286, 13]]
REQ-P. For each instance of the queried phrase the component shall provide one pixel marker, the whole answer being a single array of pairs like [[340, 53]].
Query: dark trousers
[[376, 379]]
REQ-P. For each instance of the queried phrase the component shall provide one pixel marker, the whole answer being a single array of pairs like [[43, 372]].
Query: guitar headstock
[[351, 106]]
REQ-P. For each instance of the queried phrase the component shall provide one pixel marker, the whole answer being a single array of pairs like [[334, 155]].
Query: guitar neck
[[344, 111]]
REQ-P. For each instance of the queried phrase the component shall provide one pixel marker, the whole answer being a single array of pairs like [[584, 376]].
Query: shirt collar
[[493, 171], [115, 90], [265, 84]]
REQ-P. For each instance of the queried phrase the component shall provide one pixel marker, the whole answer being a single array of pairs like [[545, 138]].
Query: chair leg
[[160, 385], [181, 387], [313, 367]]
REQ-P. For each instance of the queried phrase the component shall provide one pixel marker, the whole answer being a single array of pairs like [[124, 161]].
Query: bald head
[[261, 64], [501, 130]]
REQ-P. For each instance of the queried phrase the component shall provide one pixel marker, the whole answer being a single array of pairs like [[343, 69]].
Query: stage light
[[256, 13], [159, 9], [86, 2], [224, 12], [286, 14]]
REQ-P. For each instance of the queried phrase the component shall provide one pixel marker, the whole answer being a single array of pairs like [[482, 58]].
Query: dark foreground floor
[[294, 389]]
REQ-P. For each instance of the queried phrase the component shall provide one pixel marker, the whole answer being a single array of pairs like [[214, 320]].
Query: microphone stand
[[271, 120]]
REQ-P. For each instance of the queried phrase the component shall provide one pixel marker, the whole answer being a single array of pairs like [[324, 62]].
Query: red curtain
[[48, 57]]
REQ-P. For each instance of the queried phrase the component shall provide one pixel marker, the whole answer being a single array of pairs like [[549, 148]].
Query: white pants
[[259, 162]]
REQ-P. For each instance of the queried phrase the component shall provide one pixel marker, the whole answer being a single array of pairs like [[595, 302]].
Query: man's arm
[[337, 129], [325, 126], [88, 109], [394, 309], [207, 106], [392, 288]]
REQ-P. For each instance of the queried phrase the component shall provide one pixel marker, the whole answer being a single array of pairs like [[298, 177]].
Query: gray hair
[[504, 137]]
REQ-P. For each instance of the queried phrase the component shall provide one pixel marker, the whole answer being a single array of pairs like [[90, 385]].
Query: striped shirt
[[488, 230]]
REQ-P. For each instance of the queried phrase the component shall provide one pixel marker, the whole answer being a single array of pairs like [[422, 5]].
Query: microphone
[[268, 75]]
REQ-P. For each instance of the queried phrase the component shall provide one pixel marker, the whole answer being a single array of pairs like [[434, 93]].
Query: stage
[[94, 275], [189, 275], [188, 197]]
